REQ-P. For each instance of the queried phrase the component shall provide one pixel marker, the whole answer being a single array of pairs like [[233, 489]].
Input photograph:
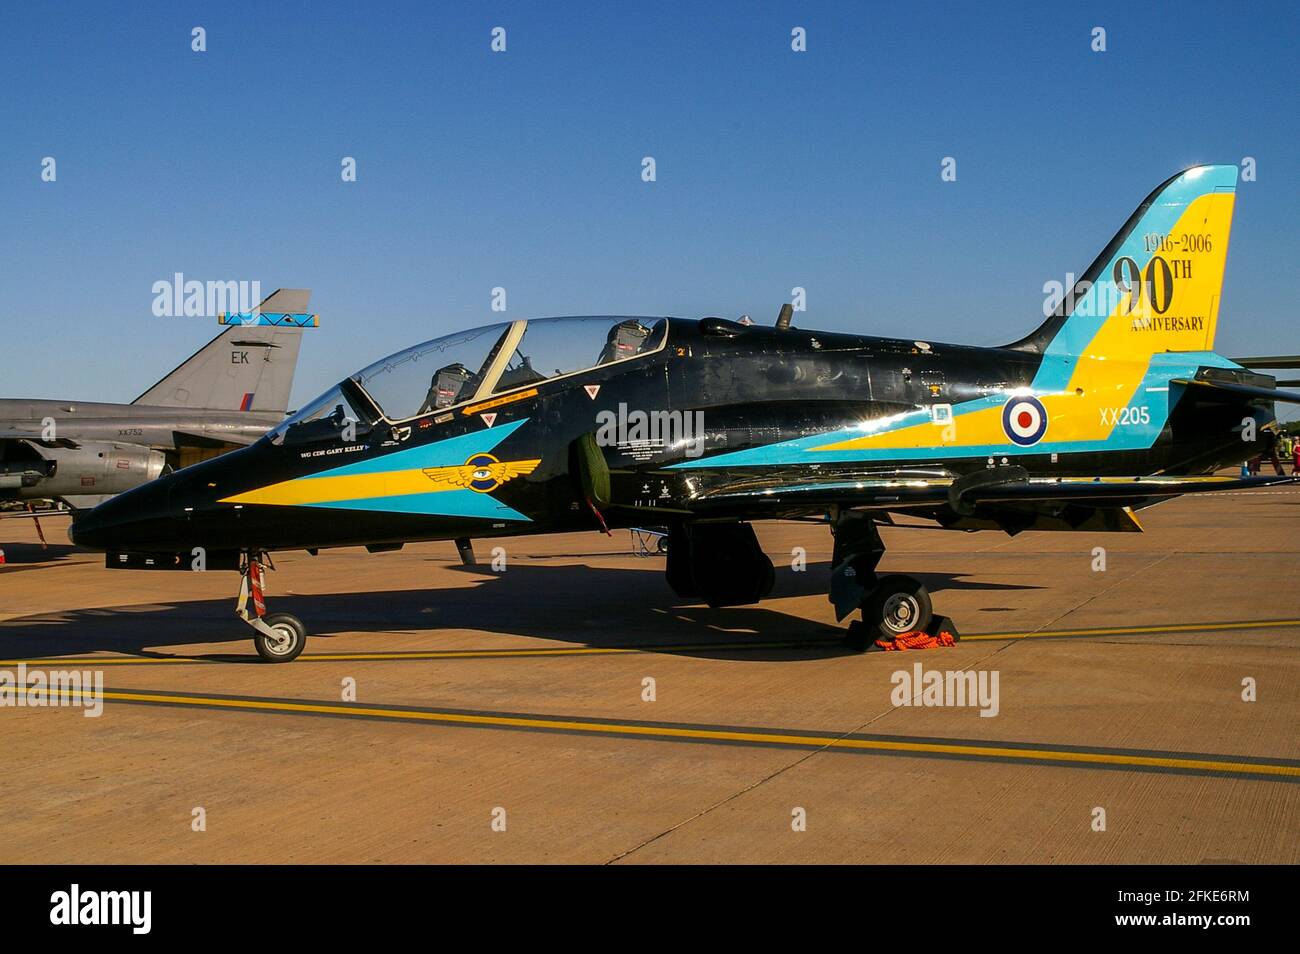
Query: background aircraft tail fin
[[241, 369], [1158, 284]]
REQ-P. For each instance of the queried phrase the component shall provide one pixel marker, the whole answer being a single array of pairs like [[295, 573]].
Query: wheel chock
[[943, 624]]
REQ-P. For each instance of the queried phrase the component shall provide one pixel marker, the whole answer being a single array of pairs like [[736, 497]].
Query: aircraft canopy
[[473, 365]]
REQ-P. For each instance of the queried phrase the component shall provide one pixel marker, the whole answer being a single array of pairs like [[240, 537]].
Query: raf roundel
[[1025, 420]]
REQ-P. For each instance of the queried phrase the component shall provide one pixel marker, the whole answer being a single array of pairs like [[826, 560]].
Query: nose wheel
[[278, 637], [288, 636]]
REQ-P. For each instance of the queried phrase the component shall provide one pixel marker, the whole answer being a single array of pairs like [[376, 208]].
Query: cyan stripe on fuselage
[[444, 453], [446, 503], [450, 452]]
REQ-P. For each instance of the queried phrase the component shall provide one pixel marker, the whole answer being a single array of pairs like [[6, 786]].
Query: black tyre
[[898, 604], [287, 649], [678, 569]]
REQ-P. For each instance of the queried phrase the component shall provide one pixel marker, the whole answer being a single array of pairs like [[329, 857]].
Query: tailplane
[[1158, 284], [243, 368]]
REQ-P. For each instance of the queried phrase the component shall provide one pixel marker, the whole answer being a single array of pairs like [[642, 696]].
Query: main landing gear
[[891, 605], [279, 637]]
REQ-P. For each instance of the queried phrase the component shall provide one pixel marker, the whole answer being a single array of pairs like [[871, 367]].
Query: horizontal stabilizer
[[1232, 390], [1283, 361]]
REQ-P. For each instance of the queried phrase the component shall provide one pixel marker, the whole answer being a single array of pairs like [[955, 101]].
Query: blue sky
[[522, 169]]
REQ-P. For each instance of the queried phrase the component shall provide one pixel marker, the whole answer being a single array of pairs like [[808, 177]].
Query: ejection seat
[[449, 385], [624, 340]]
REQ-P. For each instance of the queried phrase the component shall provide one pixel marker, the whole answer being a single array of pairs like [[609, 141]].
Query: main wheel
[[292, 633], [898, 604]]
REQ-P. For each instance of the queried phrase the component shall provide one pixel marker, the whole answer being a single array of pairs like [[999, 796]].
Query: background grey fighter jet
[[227, 395]]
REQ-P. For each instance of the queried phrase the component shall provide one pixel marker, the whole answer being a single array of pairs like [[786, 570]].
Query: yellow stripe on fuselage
[[320, 490]]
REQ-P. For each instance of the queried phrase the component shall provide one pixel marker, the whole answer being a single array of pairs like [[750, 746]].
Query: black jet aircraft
[[559, 424]]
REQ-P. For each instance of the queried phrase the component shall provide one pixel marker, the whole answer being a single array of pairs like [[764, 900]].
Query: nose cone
[[129, 521], [85, 530]]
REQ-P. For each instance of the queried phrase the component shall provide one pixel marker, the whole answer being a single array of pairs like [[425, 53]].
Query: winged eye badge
[[482, 472]]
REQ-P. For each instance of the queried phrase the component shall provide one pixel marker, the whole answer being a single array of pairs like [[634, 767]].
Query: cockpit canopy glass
[[457, 368], [469, 365], [332, 416], [554, 347], [433, 375]]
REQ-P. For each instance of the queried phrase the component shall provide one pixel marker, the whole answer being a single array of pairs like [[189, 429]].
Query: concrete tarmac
[[575, 702]]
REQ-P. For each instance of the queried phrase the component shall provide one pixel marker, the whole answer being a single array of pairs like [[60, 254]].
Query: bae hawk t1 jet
[[1116, 402]]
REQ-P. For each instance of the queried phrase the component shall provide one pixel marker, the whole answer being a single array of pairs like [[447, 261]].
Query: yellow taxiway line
[[979, 750], [1140, 630]]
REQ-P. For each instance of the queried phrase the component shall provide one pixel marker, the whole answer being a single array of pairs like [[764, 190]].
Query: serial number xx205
[[1126, 416]]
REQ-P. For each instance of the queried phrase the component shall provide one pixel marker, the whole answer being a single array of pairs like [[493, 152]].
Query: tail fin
[[241, 369], [1157, 285]]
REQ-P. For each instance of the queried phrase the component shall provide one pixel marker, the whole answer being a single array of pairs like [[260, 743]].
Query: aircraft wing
[[879, 493], [985, 492], [33, 434], [36, 514], [199, 439]]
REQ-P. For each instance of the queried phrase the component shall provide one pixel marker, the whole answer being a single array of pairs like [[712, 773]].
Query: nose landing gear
[[278, 637]]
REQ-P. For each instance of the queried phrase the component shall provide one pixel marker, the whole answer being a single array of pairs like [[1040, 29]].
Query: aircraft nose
[[93, 529], [123, 522], [85, 529]]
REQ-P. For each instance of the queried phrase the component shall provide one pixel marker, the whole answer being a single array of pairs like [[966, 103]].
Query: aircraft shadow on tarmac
[[599, 607], [32, 556]]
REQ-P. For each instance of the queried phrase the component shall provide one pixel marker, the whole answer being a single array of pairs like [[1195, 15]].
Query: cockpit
[[473, 365]]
